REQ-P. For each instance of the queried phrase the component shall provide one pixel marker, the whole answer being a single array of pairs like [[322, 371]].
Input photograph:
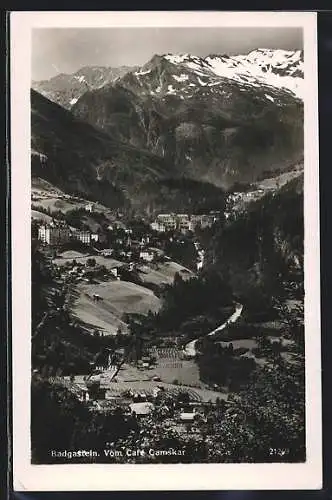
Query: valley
[[167, 256]]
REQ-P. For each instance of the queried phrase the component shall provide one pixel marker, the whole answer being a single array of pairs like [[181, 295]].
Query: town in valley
[[167, 261]]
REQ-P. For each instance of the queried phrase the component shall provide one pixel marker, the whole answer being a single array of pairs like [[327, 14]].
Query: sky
[[65, 50]]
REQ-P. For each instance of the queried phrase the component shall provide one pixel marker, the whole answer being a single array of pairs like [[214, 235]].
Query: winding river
[[190, 348]]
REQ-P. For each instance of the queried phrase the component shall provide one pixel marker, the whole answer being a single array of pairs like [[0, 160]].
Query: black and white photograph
[[170, 182]]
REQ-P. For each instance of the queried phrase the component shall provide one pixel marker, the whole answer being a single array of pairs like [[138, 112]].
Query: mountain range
[[80, 159], [273, 69], [179, 119], [276, 68], [65, 89]]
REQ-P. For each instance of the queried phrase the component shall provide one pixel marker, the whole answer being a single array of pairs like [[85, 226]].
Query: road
[[190, 348]]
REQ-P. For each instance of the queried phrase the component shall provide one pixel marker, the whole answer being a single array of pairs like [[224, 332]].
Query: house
[[158, 226], [168, 220], [187, 417], [131, 266], [147, 255], [141, 409], [100, 367], [83, 395], [96, 297], [118, 355], [107, 252], [207, 221], [156, 391], [54, 233], [184, 223], [135, 244], [116, 399], [84, 236], [186, 226], [195, 221], [182, 218], [114, 271], [89, 207], [200, 260]]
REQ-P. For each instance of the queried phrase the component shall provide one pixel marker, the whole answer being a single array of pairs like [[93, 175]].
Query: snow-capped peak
[[282, 69], [80, 78], [273, 59], [177, 58]]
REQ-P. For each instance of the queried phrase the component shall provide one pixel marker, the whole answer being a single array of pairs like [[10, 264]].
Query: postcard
[[165, 251]]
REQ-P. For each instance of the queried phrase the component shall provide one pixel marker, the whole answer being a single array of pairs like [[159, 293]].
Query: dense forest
[[207, 296], [260, 254]]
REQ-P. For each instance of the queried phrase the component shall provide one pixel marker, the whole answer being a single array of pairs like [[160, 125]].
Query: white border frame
[[74, 477]]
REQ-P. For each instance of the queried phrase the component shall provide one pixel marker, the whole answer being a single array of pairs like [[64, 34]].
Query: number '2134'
[[280, 452]]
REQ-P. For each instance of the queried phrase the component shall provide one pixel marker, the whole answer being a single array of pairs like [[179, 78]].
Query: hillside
[[261, 252], [79, 159], [217, 119], [118, 298]]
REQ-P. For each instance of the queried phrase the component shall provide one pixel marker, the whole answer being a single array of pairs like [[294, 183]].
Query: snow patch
[[269, 97], [214, 83], [201, 82], [176, 58], [259, 67], [171, 89], [139, 73], [181, 78], [80, 78]]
